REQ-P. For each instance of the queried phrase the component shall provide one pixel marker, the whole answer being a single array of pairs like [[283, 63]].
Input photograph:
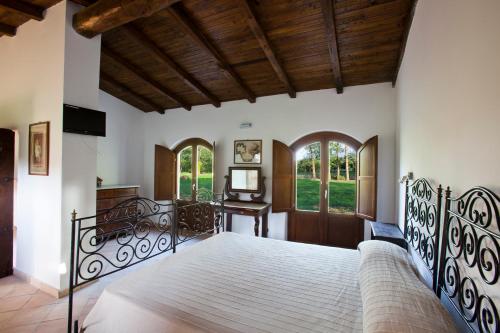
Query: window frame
[[324, 138], [193, 143]]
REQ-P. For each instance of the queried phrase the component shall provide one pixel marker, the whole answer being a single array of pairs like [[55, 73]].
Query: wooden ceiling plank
[[24, 8], [8, 30], [264, 43], [190, 28], [105, 15], [125, 90], [406, 33], [143, 76], [328, 9], [142, 39]]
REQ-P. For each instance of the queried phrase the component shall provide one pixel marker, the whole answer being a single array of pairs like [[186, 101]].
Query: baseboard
[[37, 283], [54, 292]]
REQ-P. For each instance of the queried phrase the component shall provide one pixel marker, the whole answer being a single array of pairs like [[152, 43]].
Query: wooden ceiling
[[197, 52], [14, 13]]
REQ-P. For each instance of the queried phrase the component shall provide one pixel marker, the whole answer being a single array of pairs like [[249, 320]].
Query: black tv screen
[[83, 121]]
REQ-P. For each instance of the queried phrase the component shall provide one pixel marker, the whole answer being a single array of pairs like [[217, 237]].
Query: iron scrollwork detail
[[131, 232], [202, 217], [136, 230], [422, 218], [470, 257]]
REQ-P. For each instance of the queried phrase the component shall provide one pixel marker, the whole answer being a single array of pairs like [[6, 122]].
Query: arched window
[[325, 165], [194, 168]]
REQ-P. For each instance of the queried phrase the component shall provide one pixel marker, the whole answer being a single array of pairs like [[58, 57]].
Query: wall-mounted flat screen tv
[[83, 121]]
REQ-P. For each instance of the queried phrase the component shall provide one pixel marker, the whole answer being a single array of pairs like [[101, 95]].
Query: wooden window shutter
[[214, 187], [165, 170], [283, 174], [366, 188]]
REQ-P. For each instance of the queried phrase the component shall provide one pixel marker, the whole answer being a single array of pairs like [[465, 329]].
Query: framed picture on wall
[[247, 151], [39, 149]]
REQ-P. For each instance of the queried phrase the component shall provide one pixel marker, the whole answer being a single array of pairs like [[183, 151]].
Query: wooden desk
[[108, 197], [248, 209]]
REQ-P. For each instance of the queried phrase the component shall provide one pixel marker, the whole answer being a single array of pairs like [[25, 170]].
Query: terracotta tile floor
[[24, 308]]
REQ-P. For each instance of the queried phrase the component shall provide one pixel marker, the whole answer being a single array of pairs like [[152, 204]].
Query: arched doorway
[[326, 182], [195, 160], [325, 190]]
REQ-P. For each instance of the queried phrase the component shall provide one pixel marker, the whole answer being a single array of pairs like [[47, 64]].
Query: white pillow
[[394, 299]]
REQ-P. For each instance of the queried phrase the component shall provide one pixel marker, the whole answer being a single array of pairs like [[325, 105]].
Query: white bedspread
[[236, 283]]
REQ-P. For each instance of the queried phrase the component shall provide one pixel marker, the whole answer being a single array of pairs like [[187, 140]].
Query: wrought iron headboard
[[133, 231], [422, 223], [469, 259]]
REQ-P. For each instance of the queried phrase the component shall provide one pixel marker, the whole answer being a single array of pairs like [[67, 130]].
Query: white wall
[[81, 87], [449, 95], [120, 157], [361, 112], [45, 65], [31, 86]]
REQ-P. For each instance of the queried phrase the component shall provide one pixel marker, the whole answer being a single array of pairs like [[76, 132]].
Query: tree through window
[[341, 178], [325, 175], [194, 168]]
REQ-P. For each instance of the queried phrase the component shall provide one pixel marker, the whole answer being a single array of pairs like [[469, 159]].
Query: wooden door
[[6, 201], [367, 158], [196, 169], [309, 215], [165, 171], [321, 214]]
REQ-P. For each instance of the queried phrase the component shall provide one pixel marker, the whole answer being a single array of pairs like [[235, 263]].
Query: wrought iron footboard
[[136, 230]]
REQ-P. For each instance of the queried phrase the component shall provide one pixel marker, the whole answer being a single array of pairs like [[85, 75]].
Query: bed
[[234, 283]]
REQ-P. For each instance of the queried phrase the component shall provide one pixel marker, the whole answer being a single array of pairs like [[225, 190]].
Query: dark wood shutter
[[214, 187], [366, 190], [283, 175], [6, 201], [165, 170]]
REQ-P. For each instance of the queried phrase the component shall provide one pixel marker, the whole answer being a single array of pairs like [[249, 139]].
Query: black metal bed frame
[[469, 259], [423, 223], [140, 230], [461, 251]]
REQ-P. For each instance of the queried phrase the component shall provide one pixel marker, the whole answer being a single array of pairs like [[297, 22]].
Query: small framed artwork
[[39, 149], [247, 151]]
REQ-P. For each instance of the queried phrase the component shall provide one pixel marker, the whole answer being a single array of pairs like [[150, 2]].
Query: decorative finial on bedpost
[[73, 216], [448, 192]]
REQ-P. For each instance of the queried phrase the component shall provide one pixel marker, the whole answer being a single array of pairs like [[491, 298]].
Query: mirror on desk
[[245, 179]]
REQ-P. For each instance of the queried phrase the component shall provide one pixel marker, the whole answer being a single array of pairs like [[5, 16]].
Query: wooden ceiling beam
[[328, 9], [142, 75], [24, 8], [84, 3], [105, 15], [142, 39], [8, 30], [406, 33], [190, 28], [125, 90], [264, 43]]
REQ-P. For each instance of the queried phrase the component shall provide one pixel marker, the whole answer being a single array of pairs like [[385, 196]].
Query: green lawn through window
[[342, 195], [204, 182]]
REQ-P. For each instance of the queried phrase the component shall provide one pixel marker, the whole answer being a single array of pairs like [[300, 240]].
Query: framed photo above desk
[[247, 151]]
